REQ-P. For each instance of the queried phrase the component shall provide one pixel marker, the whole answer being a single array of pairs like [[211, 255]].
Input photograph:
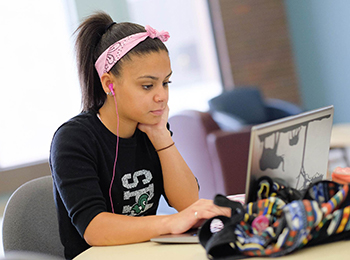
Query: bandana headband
[[117, 50]]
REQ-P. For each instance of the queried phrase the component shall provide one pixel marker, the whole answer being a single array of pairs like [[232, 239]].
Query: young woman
[[113, 161]]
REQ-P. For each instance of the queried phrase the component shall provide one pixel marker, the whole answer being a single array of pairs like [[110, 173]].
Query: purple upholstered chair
[[217, 158]]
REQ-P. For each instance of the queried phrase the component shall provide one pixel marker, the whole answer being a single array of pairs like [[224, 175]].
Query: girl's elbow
[[94, 234], [92, 239]]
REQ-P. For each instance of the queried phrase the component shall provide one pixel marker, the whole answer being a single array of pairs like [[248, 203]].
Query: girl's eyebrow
[[153, 77]]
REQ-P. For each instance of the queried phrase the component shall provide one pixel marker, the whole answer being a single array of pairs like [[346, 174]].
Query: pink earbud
[[111, 88]]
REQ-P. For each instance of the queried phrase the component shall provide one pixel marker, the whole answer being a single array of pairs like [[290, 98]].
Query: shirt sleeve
[[74, 169]]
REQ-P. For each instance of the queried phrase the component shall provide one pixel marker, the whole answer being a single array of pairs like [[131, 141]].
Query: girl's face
[[142, 88]]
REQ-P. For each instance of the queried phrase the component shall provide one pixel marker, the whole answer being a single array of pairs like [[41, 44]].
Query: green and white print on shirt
[[142, 196]]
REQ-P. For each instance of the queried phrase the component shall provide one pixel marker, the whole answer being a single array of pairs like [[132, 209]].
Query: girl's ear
[[106, 81]]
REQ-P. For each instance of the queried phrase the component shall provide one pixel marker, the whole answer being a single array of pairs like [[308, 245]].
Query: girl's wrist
[[165, 225], [160, 144], [161, 140], [166, 147]]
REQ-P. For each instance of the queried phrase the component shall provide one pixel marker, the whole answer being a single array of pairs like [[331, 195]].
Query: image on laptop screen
[[294, 149]]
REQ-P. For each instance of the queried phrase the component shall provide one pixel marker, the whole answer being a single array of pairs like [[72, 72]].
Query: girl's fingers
[[196, 214], [206, 214], [204, 209]]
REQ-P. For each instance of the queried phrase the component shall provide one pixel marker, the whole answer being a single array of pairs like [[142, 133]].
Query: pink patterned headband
[[117, 50]]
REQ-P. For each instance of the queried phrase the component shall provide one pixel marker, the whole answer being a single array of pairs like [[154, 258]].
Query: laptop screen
[[294, 149]]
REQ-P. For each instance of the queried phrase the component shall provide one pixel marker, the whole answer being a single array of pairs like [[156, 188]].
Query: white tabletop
[[155, 251], [144, 251]]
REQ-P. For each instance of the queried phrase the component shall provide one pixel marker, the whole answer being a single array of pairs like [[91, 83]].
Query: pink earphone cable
[[116, 154]]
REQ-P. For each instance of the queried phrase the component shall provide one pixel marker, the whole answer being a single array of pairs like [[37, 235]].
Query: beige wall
[[11, 179]]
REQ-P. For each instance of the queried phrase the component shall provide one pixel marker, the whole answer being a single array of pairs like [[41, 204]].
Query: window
[[39, 87], [196, 76], [39, 84]]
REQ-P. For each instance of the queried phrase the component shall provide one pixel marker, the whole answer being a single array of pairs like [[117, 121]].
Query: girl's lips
[[158, 112]]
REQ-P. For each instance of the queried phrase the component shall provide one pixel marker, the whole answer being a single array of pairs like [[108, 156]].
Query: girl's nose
[[161, 96]]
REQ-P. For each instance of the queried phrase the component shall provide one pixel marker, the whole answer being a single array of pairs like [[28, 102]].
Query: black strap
[[219, 244]]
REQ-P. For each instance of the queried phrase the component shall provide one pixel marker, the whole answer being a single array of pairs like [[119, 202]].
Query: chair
[[246, 106], [30, 220], [29, 256], [218, 159], [229, 154]]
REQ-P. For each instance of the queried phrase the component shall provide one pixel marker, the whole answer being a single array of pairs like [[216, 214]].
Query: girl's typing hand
[[194, 215]]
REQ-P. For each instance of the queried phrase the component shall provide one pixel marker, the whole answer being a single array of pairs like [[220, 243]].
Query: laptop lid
[[294, 149]]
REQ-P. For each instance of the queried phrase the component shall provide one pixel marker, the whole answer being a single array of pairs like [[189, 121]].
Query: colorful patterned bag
[[279, 222]]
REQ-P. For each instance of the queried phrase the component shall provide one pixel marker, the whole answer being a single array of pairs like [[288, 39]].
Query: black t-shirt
[[81, 159]]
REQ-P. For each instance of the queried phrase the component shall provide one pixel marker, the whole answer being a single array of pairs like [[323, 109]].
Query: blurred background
[[294, 50]]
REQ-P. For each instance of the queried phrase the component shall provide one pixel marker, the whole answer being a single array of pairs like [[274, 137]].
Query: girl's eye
[[147, 87], [165, 84]]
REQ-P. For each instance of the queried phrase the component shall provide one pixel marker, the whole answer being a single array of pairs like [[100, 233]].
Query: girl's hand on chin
[[156, 128]]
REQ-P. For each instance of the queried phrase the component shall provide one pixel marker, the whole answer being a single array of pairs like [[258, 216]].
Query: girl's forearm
[[180, 185], [114, 229]]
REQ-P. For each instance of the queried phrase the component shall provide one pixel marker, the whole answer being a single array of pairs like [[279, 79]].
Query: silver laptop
[[189, 237], [294, 149]]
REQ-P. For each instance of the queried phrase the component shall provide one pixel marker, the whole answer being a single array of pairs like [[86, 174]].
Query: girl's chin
[[151, 121]]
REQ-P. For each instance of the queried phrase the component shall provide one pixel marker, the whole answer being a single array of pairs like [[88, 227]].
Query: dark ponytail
[[95, 35]]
